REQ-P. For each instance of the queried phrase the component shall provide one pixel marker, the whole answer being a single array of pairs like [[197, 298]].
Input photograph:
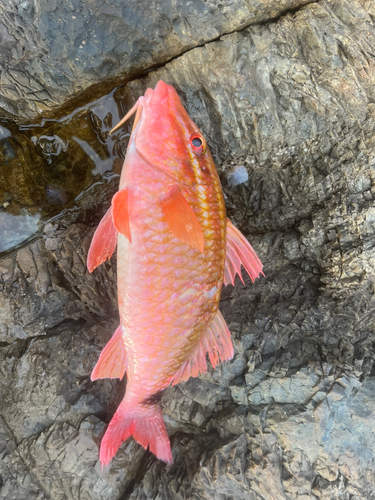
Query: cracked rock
[[54, 50]]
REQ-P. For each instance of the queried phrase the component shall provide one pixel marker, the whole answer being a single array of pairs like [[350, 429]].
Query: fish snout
[[161, 90]]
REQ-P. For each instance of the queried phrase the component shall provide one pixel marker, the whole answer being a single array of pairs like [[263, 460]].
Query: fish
[[175, 249]]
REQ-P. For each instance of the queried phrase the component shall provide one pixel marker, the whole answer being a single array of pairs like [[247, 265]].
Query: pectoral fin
[[120, 212], [181, 219], [103, 242], [239, 251], [112, 360], [216, 341]]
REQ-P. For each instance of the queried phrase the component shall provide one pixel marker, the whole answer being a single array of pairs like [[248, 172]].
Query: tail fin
[[145, 424]]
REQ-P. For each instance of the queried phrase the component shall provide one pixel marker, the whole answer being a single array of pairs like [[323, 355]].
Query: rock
[[291, 416], [64, 450], [16, 481], [54, 50], [43, 281]]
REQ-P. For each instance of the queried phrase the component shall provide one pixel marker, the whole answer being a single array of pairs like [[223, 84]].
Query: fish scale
[[169, 221], [176, 315]]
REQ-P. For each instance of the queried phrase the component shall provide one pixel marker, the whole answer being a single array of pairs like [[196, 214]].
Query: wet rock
[[53, 50], [291, 416], [55, 161]]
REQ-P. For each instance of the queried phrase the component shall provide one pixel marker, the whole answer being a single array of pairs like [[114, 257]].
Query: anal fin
[[112, 360], [216, 341], [103, 243], [239, 252]]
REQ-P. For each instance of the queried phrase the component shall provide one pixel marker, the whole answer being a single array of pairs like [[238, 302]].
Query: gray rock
[[53, 50], [291, 416], [16, 481], [65, 461], [43, 281]]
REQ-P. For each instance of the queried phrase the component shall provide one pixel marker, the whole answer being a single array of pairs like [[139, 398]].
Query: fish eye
[[198, 143]]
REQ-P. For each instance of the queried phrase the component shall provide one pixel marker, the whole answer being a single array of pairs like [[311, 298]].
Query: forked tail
[[144, 423]]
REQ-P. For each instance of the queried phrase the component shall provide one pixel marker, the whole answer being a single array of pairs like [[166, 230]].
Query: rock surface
[[292, 415], [52, 50]]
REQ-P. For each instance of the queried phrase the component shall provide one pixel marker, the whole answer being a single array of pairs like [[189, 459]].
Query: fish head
[[166, 137]]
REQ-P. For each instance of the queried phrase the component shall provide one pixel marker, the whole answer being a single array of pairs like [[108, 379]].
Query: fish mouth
[[161, 90], [158, 94]]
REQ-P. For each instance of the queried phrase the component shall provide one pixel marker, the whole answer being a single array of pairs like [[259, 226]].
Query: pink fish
[[175, 250]]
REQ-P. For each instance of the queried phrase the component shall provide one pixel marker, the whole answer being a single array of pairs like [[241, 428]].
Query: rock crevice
[[55, 51]]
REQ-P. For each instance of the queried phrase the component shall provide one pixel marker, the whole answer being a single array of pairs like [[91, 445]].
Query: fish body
[[170, 224]]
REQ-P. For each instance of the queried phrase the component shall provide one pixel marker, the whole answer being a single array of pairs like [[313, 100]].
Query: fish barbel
[[175, 250]]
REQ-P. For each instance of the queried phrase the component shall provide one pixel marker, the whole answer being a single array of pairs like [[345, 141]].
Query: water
[[45, 167]]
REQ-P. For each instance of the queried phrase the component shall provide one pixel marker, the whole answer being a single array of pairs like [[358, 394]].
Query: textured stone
[[53, 50], [65, 461], [16, 481]]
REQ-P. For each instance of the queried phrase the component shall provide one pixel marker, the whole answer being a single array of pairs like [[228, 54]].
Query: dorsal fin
[[103, 242], [216, 341], [239, 251], [112, 362], [181, 219]]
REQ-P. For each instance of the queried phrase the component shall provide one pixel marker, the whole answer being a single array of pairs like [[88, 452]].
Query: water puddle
[[46, 167]]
